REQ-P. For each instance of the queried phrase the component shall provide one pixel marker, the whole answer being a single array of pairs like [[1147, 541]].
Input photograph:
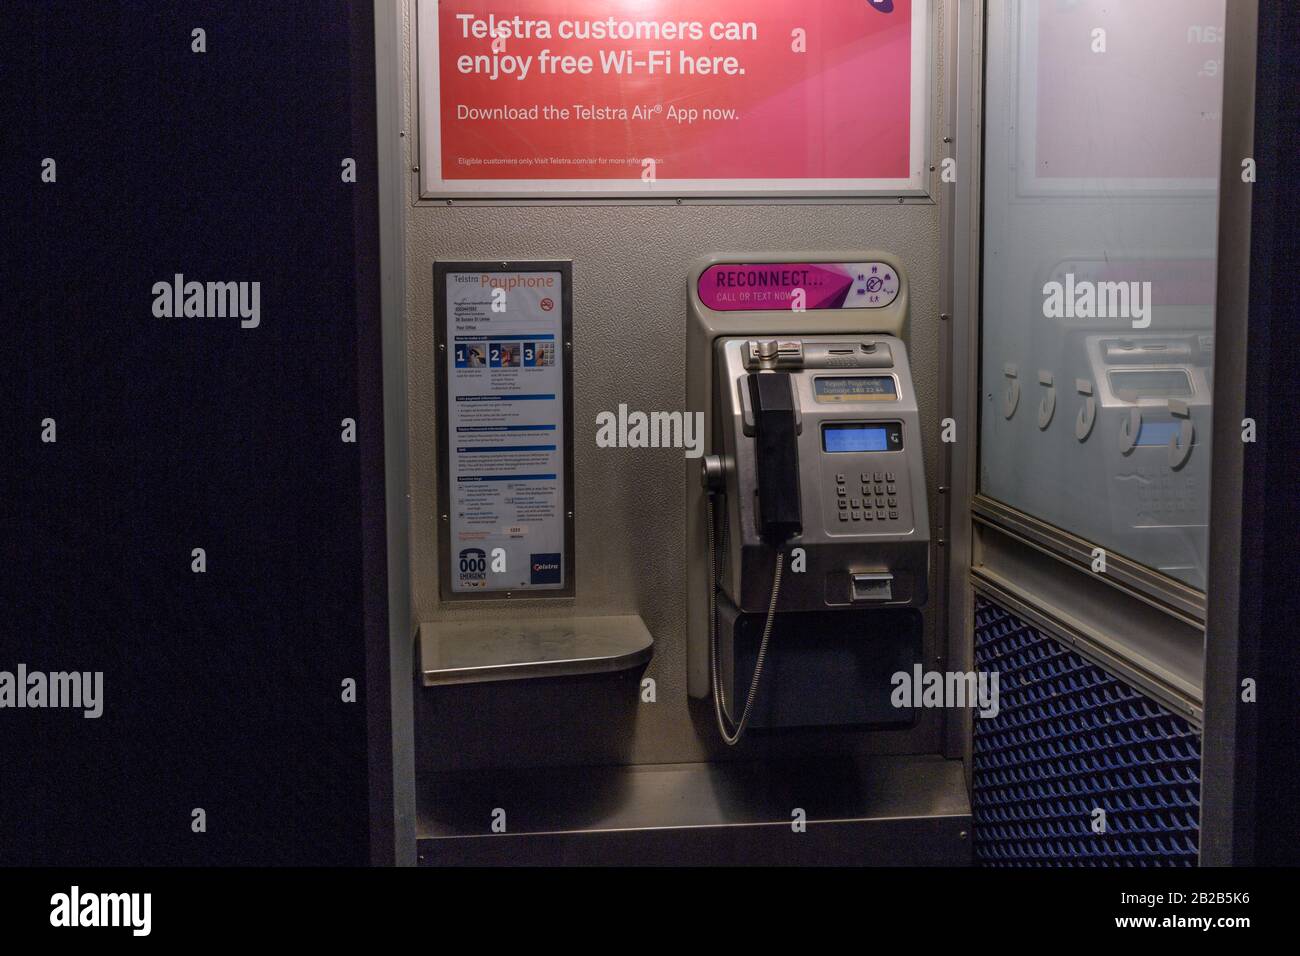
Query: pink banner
[[730, 89]]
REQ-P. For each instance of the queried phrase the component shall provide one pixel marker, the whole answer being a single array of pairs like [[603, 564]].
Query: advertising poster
[[504, 418], [628, 97]]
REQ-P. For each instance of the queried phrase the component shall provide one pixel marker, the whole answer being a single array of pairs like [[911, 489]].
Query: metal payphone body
[[816, 451], [861, 481]]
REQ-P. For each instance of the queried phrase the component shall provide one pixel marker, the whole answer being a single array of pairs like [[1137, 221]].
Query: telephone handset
[[776, 455]]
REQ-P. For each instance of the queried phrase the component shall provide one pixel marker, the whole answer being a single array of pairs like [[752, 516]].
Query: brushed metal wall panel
[[630, 264]]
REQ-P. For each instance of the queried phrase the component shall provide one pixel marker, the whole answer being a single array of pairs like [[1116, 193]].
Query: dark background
[[1269, 747], [222, 690]]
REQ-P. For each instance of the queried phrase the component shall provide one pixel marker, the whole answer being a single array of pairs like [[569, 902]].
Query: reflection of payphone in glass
[[812, 503], [1134, 440], [1152, 409]]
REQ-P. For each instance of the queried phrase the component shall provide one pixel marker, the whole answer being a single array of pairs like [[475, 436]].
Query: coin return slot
[[873, 587]]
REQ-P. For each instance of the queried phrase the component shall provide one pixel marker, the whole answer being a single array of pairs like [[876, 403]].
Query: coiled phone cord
[[732, 737]]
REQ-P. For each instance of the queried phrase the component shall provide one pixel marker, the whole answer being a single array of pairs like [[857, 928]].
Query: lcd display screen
[[858, 438], [1151, 383], [1157, 433], [854, 388]]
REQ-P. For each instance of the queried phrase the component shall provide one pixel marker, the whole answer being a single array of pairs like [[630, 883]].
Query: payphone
[[812, 498]]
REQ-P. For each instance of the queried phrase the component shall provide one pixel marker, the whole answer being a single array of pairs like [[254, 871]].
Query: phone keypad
[[870, 497]]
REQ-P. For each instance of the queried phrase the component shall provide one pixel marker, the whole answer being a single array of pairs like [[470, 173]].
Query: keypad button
[[880, 501], [892, 489], [868, 515], [856, 503], [893, 514], [880, 514], [844, 504], [844, 516], [839, 479], [866, 477], [877, 477], [857, 516], [889, 476], [841, 491], [893, 502]]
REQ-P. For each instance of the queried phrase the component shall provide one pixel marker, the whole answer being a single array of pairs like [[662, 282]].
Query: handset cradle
[[776, 455]]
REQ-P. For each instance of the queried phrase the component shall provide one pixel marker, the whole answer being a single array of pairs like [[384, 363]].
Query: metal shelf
[[475, 652], [880, 810]]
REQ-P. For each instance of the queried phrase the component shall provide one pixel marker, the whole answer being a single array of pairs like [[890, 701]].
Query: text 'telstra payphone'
[[807, 520]]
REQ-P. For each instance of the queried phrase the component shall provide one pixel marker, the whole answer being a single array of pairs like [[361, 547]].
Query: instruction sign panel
[[505, 412], [621, 97]]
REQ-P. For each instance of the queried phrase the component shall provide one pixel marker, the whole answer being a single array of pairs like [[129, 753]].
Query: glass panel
[[1101, 164]]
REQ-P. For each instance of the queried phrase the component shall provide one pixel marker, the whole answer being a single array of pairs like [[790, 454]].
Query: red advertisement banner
[[633, 93]]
